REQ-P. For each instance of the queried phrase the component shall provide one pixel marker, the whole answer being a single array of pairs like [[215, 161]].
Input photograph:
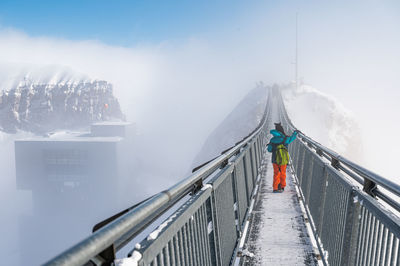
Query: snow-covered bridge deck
[[278, 233]]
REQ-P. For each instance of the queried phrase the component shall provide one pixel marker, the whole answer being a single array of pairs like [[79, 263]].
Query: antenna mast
[[296, 60]]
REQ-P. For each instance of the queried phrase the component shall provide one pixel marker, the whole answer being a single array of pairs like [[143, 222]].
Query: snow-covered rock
[[41, 108], [325, 119]]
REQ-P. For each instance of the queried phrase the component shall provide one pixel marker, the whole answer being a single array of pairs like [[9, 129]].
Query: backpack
[[282, 155]]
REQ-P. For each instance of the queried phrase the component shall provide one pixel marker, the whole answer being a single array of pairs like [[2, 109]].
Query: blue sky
[[339, 41], [332, 35], [121, 22]]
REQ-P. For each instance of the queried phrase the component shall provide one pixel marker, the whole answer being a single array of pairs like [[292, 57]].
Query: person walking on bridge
[[278, 145]]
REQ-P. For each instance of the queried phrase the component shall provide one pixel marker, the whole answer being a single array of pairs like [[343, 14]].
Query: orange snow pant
[[279, 176]]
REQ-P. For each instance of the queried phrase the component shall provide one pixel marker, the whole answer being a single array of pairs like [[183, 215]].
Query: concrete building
[[72, 167], [76, 179]]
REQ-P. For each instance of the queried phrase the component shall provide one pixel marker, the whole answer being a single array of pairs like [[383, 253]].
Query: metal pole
[[296, 61]]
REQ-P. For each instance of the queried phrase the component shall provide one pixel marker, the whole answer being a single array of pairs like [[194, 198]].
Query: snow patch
[[210, 227], [326, 255], [206, 186], [324, 119], [138, 246], [233, 158], [247, 253], [131, 261], [355, 199]]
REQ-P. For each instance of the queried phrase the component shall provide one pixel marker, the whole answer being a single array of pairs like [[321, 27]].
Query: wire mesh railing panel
[[225, 216], [378, 239], [257, 152], [296, 156], [294, 150], [173, 241], [316, 200], [241, 189], [248, 174], [253, 162], [335, 209], [306, 171], [353, 227], [301, 160], [204, 230]]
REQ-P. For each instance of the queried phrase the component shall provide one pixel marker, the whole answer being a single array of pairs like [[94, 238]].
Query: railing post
[[297, 155], [306, 168], [300, 164], [243, 165], [236, 202], [253, 161], [323, 199], [211, 235], [351, 233], [108, 255], [247, 179], [309, 179], [215, 230], [369, 187], [335, 163]]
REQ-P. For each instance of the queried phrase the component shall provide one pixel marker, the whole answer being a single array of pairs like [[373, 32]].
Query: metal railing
[[353, 225], [203, 231]]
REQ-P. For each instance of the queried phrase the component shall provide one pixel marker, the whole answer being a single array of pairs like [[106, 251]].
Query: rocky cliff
[[41, 108]]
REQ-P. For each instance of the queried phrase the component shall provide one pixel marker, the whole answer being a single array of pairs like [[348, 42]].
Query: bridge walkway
[[278, 234]]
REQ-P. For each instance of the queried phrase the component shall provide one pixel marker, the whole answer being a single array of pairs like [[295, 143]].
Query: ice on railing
[[153, 235], [206, 186]]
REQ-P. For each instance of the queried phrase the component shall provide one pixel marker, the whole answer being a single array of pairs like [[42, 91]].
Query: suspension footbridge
[[332, 212]]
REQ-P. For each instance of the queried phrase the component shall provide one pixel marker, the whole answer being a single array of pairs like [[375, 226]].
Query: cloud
[[182, 89]]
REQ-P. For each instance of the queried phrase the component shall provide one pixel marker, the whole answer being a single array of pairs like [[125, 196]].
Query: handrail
[[358, 172], [135, 220], [387, 184]]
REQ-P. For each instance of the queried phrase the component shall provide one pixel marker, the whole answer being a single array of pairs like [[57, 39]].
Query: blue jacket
[[277, 139]]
